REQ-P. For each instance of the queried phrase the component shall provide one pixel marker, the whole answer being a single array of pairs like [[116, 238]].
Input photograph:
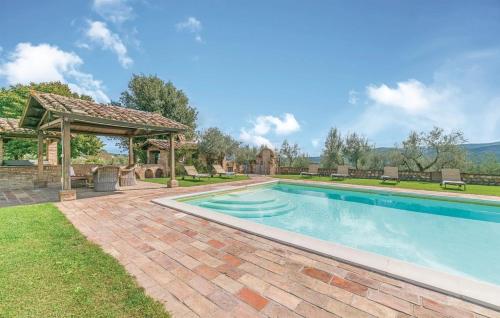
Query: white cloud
[[281, 126], [266, 124], [412, 95], [116, 11], [315, 142], [253, 139], [44, 62], [192, 25], [461, 96], [353, 97], [99, 33]]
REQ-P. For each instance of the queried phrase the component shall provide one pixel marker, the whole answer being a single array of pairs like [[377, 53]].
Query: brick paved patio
[[202, 269]]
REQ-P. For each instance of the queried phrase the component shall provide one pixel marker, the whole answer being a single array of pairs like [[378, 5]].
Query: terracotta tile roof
[[62, 104], [10, 127], [164, 144]]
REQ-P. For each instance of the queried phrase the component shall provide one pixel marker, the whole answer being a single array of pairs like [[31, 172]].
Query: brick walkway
[[202, 269]]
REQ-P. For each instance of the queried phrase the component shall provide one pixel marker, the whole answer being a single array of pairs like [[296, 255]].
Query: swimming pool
[[453, 237]]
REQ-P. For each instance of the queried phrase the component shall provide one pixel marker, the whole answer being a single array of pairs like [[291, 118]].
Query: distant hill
[[475, 150]]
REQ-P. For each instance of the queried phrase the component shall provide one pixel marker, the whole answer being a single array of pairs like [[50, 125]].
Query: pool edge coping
[[474, 291]]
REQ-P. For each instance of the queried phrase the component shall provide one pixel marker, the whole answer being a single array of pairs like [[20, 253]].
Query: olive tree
[[433, 150], [356, 148], [333, 151], [289, 152], [214, 145]]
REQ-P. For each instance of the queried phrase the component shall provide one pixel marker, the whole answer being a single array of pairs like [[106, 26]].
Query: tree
[[12, 102], [214, 145], [152, 94], [302, 161], [356, 147], [433, 150], [332, 153], [245, 154], [14, 98], [289, 152]]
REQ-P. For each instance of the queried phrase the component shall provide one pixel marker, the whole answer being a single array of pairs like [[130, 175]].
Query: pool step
[[245, 207], [249, 208], [258, 214]]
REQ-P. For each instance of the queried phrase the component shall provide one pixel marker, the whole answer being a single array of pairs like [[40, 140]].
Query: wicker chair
[[106, 178], [127, 176]]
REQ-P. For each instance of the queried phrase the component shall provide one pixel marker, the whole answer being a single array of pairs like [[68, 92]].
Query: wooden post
[[172, 182], [131, 160], [1, 151], [66, 193], [40, 157]]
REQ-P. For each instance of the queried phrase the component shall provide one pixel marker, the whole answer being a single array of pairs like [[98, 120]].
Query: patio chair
[[311, 171], [220, 171], [77, 179], [390, 173], [106, 178], [192, 172], [127, 176], [342, 172], [452, 177]]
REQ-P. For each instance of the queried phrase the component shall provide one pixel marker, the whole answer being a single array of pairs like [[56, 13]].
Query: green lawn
[[48, 269], [189, 182], [471, 188]]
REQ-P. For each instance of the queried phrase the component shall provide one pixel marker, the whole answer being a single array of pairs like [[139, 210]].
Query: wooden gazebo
[[52, 113], [9, 129]]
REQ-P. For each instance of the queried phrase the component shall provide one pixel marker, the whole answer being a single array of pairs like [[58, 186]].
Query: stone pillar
[[51, 152], [172, 182], [148, 156], [131, 160], [66, 193], [1, 151]]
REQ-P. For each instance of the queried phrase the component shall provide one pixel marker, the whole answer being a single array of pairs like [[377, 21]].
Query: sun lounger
[[390, 173], [312, 171], [192, 172], [342, 173], [452, 177], [220, 171]]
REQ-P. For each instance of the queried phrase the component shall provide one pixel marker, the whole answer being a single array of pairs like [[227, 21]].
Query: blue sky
[[264, 71]]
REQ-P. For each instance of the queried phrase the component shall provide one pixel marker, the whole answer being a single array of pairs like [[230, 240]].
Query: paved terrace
[[199, 268]]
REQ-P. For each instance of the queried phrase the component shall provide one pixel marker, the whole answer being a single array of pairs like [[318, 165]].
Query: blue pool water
[[460, 238]]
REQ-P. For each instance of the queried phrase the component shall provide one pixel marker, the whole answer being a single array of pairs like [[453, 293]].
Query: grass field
[[48, 269], [471, 188], [189, 182]]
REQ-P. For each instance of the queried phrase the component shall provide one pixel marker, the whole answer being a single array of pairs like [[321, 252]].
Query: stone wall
[[27, 177], [434, 176]]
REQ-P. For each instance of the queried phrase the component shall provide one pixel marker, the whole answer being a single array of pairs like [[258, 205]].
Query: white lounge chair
[[192, 172], [342, 172], [390, 173], [220, 171], [311, 171], [452, 177]]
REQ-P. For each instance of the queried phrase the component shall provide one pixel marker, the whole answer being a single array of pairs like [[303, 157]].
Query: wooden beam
[[40, 156], [51, 124], [1, 150], [131, 160], [172, 182], [116, 123], [66, 153], [44, 117]]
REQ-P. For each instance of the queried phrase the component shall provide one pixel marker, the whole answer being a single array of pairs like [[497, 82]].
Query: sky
[[265, 71]]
